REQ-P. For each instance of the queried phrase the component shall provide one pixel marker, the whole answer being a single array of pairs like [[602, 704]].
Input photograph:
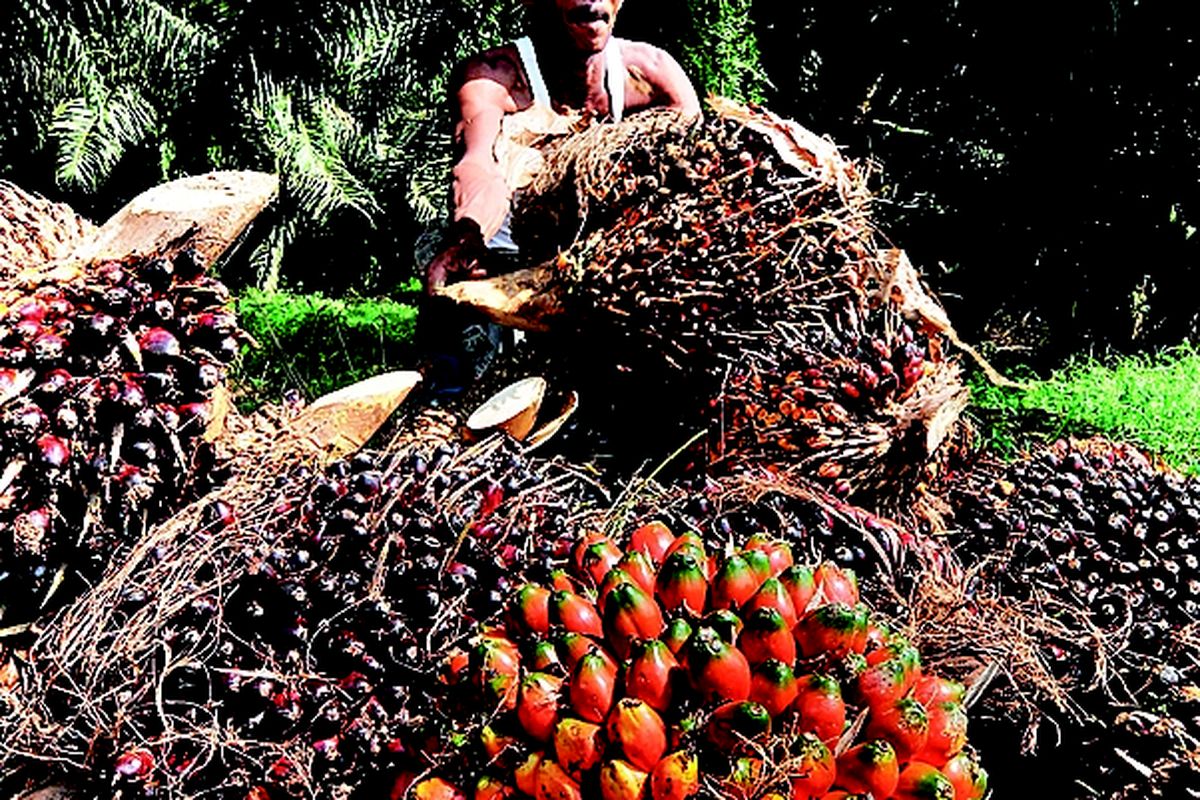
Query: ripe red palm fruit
[[575, 613], [620, 780], [160, 344], [491, 788], [773, 685], [592, 685], [772, 594], [905, 724], [676, 777], [727, 624], [136, 762], [947, 734], [813, 768], [837, 584], [526, 773], [833, 630], [932, 690], [820, 707], [869, 767], [767, 635], [577, 746], [801, 587], [596, 558], [436, 789], [734, 584], [652, 539], [537, 706], [612, 580], [734, 724], [53, 452], [921, 781], [717, 671], [571, 647], [529, 610], [631, 614], [882, 685], [496, 744], [497, 667], [778, 553], [760, 563], [967, 776], [650, 672], [555, 784], [681, 585], [676, 635], [693, 545], [544, 657], [639, 568], [638, 733]]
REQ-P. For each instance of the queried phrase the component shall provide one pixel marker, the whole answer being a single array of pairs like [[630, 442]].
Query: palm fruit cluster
[[318, 665], [1092, 520], [658, 671], [1095, 528], [733, 260], [106, 388]]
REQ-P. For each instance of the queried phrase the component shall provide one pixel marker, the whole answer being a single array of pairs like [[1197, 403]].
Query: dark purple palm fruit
[[159, 347], [27, 420], [49, 347], [52, 451], [158, 273], [30, 309], [188, 264]]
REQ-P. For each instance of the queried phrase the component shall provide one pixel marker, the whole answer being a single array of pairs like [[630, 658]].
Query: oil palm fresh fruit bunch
[[106, 391], [733, 260], [659, 670], [322, 649], [1095, 530]]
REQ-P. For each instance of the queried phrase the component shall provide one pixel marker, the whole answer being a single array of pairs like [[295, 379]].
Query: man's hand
[[463, 256]]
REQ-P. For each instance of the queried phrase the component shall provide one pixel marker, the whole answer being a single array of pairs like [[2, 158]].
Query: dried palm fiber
[[34, 230], [731, 264]]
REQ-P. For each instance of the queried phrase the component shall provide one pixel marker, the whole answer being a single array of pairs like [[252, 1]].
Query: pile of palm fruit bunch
[[107, 385], [284, 633], [1101, 533], [660, 669], [731, 264]]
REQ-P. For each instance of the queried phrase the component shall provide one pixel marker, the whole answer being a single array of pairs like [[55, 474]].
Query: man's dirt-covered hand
[[463, 256]]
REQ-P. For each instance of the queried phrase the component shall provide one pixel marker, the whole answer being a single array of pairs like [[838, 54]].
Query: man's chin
[[589, 38]]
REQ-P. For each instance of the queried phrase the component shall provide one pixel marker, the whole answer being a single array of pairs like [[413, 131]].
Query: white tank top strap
[[614, 78], [533, 72]]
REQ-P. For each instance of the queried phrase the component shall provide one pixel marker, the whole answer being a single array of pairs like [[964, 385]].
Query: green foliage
[[721, 51], [314, 344], [1151, 400]]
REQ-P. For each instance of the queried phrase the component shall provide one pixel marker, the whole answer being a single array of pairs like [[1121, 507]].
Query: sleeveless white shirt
[[614, 82]]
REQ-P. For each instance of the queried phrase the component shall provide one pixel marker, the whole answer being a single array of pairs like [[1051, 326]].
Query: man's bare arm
[[482, 100], [661, 79]]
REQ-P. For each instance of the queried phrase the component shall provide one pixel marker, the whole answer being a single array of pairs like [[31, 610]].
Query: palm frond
[[91, 134]]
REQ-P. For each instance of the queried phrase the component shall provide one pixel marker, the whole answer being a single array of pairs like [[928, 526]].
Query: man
[[570, 62]]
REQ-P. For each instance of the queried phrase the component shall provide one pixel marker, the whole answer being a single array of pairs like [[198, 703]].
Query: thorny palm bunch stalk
[[740, 251]]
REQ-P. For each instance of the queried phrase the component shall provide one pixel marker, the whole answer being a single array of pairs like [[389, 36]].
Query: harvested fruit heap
[[106, 389], [738, 251], [657, 670], [1096, 529], [286, 631]]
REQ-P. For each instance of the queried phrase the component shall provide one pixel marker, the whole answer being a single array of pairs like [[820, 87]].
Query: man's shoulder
[[500, 64], [645, 56]]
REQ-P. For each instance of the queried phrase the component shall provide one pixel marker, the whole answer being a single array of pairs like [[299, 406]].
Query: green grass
[[315, 344], [1153, 400]]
